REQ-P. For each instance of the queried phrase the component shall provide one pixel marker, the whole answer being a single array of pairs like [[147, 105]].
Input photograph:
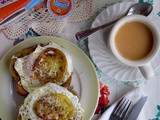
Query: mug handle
[[147, 71]]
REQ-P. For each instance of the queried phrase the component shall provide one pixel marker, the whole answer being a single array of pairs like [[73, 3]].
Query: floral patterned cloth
[[110, 89]]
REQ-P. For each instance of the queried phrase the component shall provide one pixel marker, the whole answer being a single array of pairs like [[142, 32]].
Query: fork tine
[[120, 107], [126, 110], [114, 110]]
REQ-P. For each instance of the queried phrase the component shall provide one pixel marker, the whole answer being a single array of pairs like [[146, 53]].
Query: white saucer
[[101, 56]]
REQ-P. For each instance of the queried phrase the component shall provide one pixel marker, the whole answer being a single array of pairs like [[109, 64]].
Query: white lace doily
[[44, 24], [17, 29], [83, 10]]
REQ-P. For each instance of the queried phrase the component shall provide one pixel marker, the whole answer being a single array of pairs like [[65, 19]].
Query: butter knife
[[137, 109]]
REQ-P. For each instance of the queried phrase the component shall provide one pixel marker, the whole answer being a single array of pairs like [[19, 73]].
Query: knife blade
[[137, 109]]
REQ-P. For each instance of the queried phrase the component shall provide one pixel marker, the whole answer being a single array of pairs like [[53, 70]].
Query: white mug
[[145, 63]]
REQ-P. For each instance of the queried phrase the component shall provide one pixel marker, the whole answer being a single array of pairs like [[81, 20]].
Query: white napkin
[[134, 95]]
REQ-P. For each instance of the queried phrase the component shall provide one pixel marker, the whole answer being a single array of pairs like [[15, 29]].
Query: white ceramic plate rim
[[94, 84]]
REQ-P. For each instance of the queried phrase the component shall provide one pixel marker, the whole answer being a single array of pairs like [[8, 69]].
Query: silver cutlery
[[139, 8], [121, 109], [137, 109]]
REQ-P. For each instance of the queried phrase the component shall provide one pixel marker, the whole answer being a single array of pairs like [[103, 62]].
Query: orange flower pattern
[[103, 99]]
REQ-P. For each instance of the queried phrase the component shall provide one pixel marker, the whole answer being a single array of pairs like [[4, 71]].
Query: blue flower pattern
[[29, 34], [158, 113]]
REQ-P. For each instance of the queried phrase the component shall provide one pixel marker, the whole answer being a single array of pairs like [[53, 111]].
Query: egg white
[[26, 110], [24, 67]]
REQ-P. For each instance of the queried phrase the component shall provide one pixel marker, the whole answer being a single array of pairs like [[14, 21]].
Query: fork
[[120, 110]]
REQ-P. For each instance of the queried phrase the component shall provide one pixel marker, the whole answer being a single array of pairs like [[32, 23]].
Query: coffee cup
[[134, 41]]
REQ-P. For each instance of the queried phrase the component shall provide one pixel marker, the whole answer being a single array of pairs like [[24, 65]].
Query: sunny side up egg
[[49, 63], [51, 102]]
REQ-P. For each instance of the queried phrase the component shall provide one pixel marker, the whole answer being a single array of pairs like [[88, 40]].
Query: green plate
[[84, 81]]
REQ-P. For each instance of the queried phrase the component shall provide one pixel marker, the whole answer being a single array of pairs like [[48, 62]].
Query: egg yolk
[[50, 66], [54, 107]]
